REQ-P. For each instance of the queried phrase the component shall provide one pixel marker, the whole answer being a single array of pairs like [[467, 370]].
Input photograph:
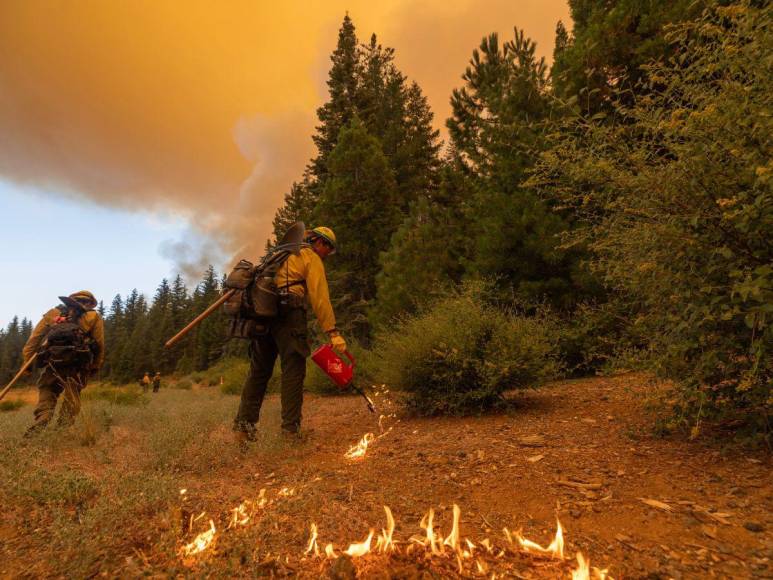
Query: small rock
[[754, 527], [575, 513]]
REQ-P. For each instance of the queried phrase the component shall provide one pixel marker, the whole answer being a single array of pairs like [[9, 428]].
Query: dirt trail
[[579, 450]]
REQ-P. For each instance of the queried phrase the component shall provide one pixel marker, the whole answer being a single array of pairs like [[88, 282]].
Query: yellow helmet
[[85, 298], [326, 234]]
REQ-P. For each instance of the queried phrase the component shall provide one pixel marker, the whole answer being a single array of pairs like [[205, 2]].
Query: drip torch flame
[[313, 542], [555, 549], [356, 550], [200, 542], [358, 451]]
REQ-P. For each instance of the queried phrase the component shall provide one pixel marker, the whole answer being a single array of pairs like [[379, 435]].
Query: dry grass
[[108, 487], [104, 495]]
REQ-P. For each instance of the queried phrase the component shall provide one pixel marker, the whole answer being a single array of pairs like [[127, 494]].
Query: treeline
[[136, 330], [12, 339]]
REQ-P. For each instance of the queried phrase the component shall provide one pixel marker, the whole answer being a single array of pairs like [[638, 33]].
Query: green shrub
[[11, 405], [232, 372], [127, 395], [673, 195], [599, 338], [460, 354], [183, 384]]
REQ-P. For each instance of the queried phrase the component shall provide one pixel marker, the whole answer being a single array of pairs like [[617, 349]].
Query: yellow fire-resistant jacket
[[90, 322], [307, 267]]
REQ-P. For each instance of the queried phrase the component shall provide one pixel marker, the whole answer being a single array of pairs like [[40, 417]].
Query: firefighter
[[300, 279], [156, 382], [146, 382], [70, 342]]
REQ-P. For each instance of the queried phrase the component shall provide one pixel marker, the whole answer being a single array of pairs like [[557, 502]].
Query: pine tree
[[427, 252], [339, 109], [298, 206], [561, 41], [500, 121], [610, 42], [359, 204], [364, 81], [210, 334]]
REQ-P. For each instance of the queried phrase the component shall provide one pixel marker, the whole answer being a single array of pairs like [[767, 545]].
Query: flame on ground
[[452, 541], [582, 572], [358, 451], [356, 550], [555, 549], [384, 541], [453, 545], [200, 542], [313, 541]]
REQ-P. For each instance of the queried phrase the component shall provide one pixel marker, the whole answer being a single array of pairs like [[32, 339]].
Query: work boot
[[244, 433], [295, 436]]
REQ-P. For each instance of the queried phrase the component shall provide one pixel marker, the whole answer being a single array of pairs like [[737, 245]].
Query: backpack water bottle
[[333, 365]]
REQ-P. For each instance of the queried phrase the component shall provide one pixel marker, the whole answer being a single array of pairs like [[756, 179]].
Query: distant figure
[[146, 382], [70, 344], [156, 382]]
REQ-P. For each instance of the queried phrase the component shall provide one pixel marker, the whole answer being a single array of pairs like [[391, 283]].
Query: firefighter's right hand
[[338, 342]]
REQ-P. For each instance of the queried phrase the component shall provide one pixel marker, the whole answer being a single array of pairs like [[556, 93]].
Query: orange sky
[[206, 108]]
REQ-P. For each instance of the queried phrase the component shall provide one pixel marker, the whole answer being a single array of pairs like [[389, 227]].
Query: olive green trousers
[[52, 383], [287, 338]]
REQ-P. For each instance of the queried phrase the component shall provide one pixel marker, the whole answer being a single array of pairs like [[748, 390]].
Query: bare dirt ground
[[580, 451]]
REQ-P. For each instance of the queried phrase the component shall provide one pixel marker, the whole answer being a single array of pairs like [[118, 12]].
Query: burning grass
[[450, 555]]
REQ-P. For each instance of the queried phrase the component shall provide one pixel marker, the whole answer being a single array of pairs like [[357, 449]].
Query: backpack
[[65, 344], [256, 300]]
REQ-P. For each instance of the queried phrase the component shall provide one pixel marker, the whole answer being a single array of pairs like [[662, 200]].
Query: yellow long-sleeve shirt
[[90, 322], [306, 266]]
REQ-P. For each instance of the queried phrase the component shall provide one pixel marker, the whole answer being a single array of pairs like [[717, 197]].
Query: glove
[[338, 342]]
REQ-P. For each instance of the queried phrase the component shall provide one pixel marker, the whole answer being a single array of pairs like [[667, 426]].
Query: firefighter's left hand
[[338, 342]]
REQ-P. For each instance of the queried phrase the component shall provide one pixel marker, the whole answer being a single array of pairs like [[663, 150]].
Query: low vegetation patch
[[127, 395], [11, 405]]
